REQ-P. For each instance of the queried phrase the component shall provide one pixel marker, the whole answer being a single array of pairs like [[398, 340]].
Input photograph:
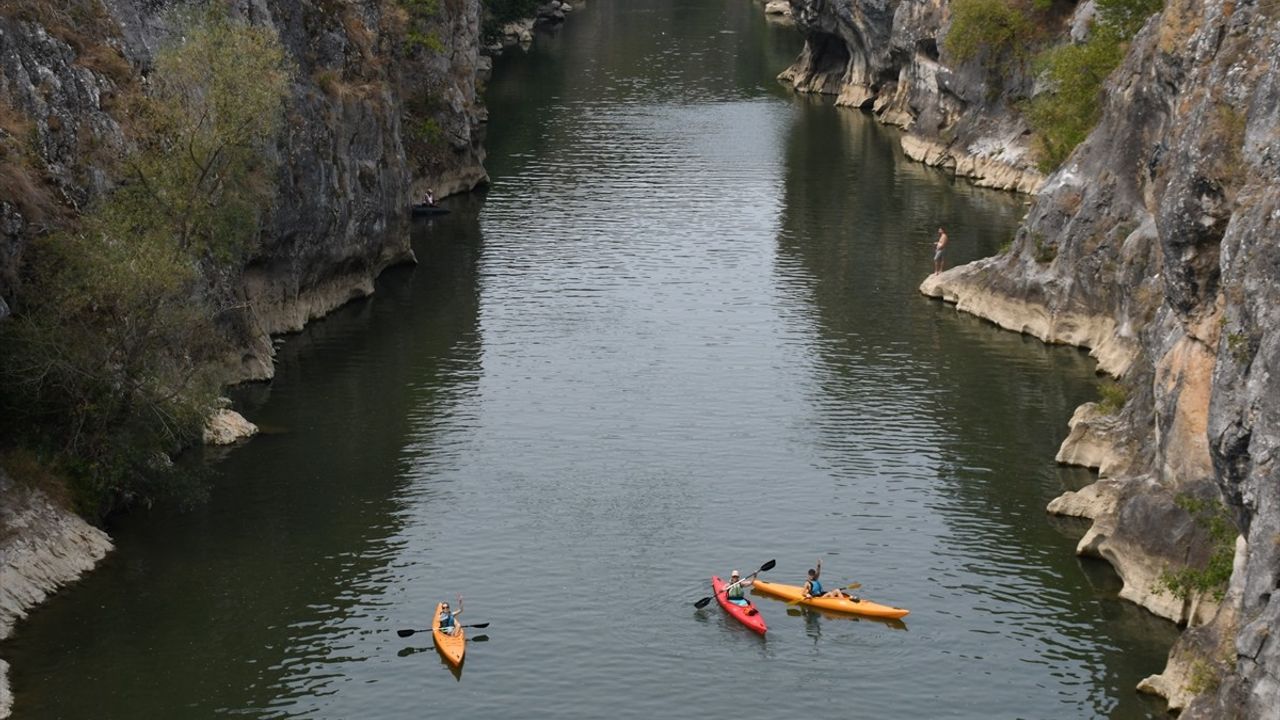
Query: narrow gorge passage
[[679, 334]]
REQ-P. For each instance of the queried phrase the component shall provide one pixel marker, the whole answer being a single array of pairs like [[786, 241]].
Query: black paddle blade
[[405, 633], [768, 566], [481, 625], [702, 603]]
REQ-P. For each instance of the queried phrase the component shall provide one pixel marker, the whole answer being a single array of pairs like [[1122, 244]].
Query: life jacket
[[734, 592], [446, 620], [815, 587]]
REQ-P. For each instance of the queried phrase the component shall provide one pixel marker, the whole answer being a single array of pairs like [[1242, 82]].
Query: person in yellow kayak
[[733, 592], [813, 587], [448, 618]]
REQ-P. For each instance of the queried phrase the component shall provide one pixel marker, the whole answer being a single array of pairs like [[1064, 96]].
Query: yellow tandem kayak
[[452, 646], [844, 605]]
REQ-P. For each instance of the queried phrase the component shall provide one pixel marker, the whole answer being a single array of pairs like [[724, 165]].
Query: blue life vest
[[446, 620], [815, 587]]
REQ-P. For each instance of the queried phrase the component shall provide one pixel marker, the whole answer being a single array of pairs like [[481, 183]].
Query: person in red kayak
[[733, 591], [813, 587]]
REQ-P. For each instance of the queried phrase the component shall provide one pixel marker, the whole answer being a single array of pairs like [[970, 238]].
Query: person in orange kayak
[[733, 591], [448, 621], [813, 587]]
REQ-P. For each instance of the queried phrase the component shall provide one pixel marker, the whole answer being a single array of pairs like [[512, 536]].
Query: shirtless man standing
[[939, 248]]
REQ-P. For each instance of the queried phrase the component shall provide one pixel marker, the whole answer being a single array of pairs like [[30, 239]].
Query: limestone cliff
[[886, 56], [382, 104], [1155, 246], [363, 135]]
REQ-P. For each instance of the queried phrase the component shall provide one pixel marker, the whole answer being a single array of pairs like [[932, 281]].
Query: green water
[[680, 334]]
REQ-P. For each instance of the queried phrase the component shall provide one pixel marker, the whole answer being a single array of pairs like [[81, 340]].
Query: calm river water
[[680, 334]]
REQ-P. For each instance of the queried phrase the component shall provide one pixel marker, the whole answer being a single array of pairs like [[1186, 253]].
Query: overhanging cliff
[[888, 57]]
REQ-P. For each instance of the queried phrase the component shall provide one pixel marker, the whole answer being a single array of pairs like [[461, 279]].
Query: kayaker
[[813, 586], [733, 592], [429, 199], [447, 622]]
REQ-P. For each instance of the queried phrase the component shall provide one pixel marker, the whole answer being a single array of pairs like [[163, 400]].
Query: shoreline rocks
[[43, 547], [521, 32], [778, 9], [226, 427], [887, 58]]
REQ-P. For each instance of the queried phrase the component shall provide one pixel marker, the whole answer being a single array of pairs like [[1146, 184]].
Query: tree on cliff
[[111, 362]]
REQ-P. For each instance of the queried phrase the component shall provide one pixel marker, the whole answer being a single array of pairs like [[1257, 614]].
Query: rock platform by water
[[42, 548]]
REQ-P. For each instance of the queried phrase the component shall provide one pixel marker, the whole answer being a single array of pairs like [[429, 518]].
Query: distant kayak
[[452, 646], [425, 210], [747, 615], [844, 605]]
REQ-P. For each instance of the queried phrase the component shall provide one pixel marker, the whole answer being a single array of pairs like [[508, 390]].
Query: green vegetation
[[1214, 576], [1240, 348], [1112, 398], [1064, 117], [1001, 32], [1203, 678], [419, 35], [111, 364], [995, 27], [429, 131], [1045, 251]]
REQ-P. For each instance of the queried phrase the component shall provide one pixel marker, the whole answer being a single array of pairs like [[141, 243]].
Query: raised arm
[[458, 612]]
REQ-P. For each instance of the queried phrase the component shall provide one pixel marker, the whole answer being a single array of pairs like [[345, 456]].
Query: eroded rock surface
[[42, 547]]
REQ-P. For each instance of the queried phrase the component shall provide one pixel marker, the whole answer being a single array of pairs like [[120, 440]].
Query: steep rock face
[[886, 56], [348, 165], [1154, 245]]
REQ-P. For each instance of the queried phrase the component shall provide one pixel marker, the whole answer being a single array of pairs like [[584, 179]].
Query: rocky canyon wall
[[382, 105], [886, 56], [374, 117], [1154, 245]]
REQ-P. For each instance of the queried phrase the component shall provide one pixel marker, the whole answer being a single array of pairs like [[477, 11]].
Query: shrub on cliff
[[1213, 577], [1064, 116], [110, 365], [996, 28]]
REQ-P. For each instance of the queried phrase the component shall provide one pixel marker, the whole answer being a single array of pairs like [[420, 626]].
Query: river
[[679, 334]]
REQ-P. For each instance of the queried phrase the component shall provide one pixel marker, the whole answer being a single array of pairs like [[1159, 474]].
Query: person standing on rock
[[939, 249]]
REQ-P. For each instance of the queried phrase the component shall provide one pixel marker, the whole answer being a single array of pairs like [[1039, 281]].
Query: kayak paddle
[[763, 568], [407, 633], [850, 586]]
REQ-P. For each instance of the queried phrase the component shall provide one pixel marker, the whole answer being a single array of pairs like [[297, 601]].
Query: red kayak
[[746, 614]]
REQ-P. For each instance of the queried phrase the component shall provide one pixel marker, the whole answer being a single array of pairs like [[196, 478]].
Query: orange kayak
[[844, 605], [452, 646]]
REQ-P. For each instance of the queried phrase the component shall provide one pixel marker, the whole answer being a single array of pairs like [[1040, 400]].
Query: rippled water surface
[[680, 334]]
